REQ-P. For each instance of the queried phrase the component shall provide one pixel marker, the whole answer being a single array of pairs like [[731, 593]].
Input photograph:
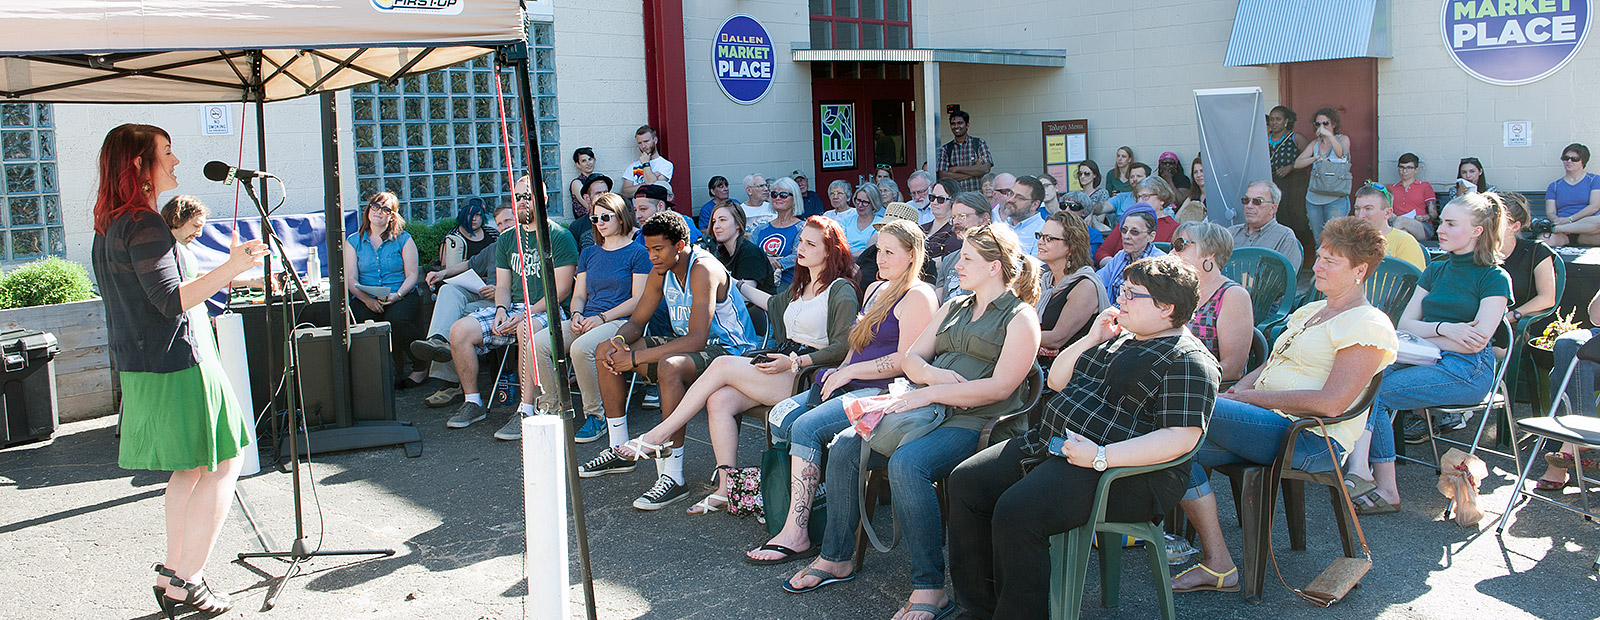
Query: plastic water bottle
[[313, 270]]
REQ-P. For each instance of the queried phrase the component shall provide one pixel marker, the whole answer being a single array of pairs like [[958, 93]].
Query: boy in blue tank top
[[708, 319]]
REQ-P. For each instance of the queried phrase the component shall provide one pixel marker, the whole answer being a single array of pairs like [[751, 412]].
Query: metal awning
[[1273, 31], [1015, 58]]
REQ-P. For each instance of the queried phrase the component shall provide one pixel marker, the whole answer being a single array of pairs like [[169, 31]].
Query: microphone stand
[[297, 552]]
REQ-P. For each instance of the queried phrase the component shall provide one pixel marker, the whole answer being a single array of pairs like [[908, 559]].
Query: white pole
[[236, 364], [544, 482]]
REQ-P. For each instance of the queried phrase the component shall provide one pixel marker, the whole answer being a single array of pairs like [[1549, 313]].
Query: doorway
[[1349, 86], [863, 115]]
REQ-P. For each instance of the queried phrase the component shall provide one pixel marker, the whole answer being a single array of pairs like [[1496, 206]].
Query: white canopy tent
[[211, 51]]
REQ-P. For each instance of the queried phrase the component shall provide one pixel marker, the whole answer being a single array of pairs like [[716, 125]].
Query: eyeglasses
[[384, 207], [937, 198], [1408, 166], [1144, 195], [1039, 236], [1179, 243], [1012, 193], [783, 195], [600, 217], [1133, 232], [862, 202], [1252, 200], [1571, 158], [1126, 295]]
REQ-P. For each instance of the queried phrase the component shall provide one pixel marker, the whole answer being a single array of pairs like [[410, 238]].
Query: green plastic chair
[[1069, 551], [1389, 289], [1270, 279]]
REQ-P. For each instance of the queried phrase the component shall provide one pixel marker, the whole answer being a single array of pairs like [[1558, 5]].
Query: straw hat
[[897, 211]]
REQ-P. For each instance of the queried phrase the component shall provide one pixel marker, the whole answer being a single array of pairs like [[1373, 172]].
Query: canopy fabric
[[1274, 31], [192, 51]]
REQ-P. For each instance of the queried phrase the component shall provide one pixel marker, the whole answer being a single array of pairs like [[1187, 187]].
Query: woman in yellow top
[[1328, 354]]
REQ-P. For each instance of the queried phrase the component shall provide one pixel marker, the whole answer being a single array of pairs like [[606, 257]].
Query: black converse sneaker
[[664, 492], [607, 463]]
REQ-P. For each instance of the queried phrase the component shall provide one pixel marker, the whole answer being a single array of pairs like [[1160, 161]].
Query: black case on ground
[[27, 386]]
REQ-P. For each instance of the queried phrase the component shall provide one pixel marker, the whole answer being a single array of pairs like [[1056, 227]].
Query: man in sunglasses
[[1261, 228], [452, 303]]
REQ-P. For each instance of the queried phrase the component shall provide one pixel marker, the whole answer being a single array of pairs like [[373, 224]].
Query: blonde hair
[[911, 236], [1016, 271], [1487, 211]]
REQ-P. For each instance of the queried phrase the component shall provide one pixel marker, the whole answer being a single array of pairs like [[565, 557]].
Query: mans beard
[[525, 213]]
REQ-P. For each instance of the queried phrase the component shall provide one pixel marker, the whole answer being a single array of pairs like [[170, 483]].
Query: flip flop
[[827, 579], [1207, 587], [1358, 486], [789, 555], [938, 613]]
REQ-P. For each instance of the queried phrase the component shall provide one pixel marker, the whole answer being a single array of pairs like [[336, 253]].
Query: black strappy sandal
[[198, 596]]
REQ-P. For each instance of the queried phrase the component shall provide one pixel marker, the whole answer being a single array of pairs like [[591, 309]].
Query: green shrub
[[428, 236], [43, 282]]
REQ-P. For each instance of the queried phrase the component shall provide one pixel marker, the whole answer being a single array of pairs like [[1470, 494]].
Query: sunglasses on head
[[1376, 186], [1471, 160], [600, 217]]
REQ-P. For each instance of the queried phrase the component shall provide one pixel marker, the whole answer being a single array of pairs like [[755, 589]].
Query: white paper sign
[[1519, 133], [1077, 147], [216, 120]]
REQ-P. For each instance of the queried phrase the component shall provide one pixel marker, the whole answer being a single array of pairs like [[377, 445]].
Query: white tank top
[[806, 321]]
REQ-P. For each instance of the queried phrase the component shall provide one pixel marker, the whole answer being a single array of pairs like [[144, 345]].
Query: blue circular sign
[[1512, 42], [741, 56]]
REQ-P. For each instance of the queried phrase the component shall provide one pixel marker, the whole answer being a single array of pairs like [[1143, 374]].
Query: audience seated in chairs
[[867, 261], [491, 328], [1071, 292], [610, 278], [1155, 193], [778, 237], [1529, 262], [1573, 201], [858, 223], [381, 256], [1261, 228], [1328, 355], [707, 320], [972, 363], [1137, 390], [470, 236], [897, 310], [451, 303], [1224, 318], [970, 211], [810, 321], [1458, 305], [1580, 397]]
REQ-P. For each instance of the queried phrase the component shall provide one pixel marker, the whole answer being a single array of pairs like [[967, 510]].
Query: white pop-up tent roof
[[191, 51]]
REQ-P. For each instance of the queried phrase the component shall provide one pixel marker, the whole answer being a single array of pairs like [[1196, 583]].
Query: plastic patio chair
[[1270, 279], [1389, 289], [1069, 551]]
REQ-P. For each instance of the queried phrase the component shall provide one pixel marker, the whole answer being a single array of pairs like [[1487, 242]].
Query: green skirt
[[173, 421]]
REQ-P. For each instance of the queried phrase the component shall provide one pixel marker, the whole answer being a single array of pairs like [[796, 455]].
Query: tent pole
[[338, 297], [516, 56]]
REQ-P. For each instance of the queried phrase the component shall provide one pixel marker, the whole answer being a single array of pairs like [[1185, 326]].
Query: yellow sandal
[[1206, 587]]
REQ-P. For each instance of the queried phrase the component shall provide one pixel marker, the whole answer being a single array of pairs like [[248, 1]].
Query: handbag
[[884, 434], [775, 481], [1331, 178], [1343, 574]]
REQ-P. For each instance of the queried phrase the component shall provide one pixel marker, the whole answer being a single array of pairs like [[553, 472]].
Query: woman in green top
[[971, 362], [811, 322], [1457, 307], [178, 411]]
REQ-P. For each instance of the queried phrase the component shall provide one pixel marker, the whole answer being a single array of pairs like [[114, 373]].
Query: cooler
[[27, 386]]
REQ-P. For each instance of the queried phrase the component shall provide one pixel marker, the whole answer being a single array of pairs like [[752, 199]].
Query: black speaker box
[[371, 374]]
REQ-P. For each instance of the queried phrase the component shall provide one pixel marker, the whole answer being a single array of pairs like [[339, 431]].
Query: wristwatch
[[1100, 458]]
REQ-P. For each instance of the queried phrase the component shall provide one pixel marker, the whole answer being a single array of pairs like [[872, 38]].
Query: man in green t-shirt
[[492, 328]]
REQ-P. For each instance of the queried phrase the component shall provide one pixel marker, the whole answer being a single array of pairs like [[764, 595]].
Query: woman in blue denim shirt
[[382, 256]]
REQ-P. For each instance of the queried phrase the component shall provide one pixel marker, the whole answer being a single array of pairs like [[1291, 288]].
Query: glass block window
[[30, 194], [434, 139], [860, 24]]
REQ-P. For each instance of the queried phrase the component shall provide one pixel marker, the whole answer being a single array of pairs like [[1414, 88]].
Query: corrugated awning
[[1016, 58], [1273, 31]]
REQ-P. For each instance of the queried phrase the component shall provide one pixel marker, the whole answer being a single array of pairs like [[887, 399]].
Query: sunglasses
[[1324, 123], [1085, 173], [968, 216], [600, 217], [520, 196], [1571, 158], [938, 199], [1179, 243], [1039, 236], [1248, 200], [783, 195]]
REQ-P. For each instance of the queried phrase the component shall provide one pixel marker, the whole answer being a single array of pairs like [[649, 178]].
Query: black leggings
[[994, 507], [402, 318]]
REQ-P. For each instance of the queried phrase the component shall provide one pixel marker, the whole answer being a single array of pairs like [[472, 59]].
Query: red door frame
[[666, 88], [862, 92], [1349, 86]]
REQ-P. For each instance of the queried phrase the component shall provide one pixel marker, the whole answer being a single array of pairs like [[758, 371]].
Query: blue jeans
[[1456, 380], [1244, 433], [1319, 214], [810, 430], [1580, 390], [912, 472]]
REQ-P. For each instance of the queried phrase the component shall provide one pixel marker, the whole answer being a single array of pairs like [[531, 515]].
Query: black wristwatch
[[1515, 317], [508, 310]]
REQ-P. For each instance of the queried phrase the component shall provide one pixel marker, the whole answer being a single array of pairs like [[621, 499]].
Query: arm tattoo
[[884, 364]]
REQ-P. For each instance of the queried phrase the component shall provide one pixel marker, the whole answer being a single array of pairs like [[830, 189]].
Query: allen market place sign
[[741, 56], [1513, 42]]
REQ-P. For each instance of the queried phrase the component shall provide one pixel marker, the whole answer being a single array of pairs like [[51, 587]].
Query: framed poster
[[1065, 143], [838, 135]]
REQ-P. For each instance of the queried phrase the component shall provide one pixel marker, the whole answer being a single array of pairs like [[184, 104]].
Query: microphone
[[221, 171]]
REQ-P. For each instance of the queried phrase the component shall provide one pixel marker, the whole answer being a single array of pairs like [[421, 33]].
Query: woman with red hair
[[811, 322], [178, 410]]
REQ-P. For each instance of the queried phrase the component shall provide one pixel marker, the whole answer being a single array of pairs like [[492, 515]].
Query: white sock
[[674, 466], [526, 409], [473, 398], [617, 431]]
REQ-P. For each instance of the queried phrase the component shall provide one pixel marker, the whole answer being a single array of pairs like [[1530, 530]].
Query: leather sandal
[[1207, 587], [1553, 485], [199, 596]]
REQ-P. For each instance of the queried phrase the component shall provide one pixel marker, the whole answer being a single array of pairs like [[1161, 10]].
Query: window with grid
[[32, 198], [434, 139], [860, 24]]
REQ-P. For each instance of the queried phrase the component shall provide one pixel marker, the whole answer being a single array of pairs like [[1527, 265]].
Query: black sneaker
[[607, 463], [434, 349], [664, 492], [1416, 429]]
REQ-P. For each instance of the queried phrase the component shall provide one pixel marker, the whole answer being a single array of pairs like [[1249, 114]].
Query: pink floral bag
[[744, 492]]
